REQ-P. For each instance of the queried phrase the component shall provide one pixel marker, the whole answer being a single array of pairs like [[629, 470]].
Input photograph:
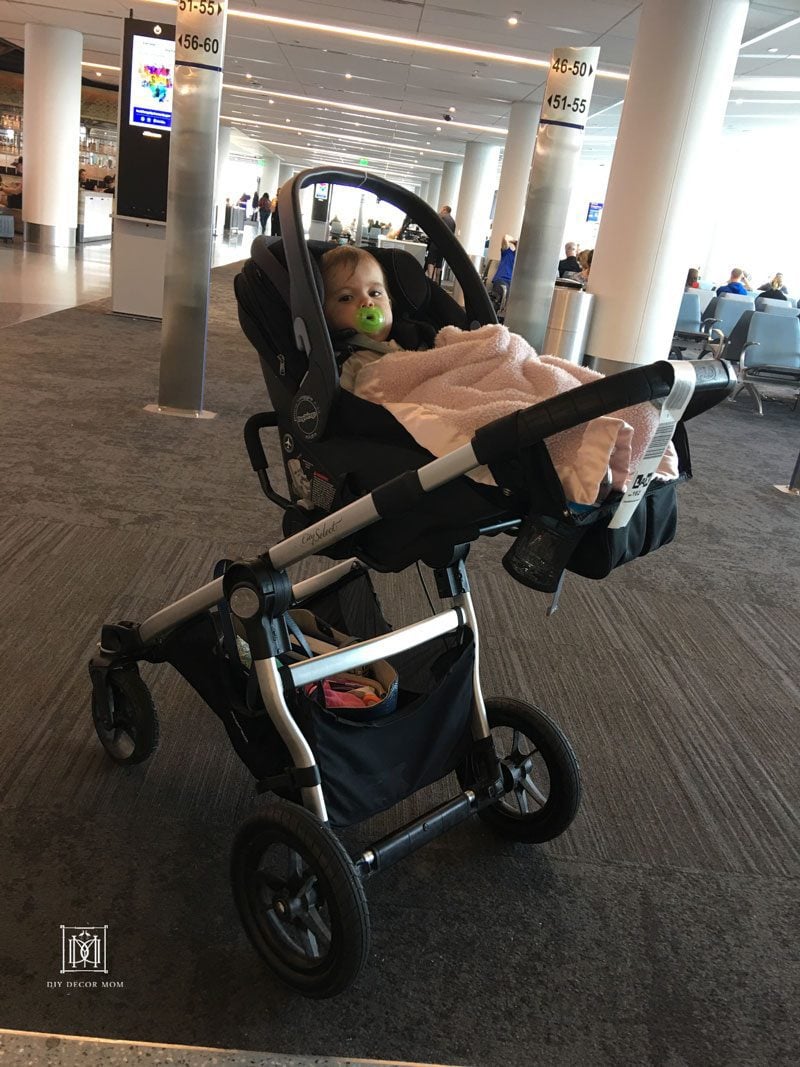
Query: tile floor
[[36, 282]]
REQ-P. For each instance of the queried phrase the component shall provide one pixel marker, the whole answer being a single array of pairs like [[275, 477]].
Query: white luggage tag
[[672, 408]]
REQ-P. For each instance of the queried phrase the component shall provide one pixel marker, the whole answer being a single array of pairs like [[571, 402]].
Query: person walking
[[276, 219], [264, 211]]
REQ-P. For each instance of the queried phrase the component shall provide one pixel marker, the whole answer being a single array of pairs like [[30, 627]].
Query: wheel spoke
[[531, 789], [266, 880], [295, 865], [320, 928]]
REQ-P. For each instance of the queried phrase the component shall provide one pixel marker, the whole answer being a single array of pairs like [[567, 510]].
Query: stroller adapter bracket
[[259, 596]]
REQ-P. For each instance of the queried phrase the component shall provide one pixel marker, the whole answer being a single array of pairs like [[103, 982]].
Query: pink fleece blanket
[[444, 394]]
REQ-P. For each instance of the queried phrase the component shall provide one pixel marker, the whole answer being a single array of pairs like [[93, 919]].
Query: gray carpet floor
[[661, 929]]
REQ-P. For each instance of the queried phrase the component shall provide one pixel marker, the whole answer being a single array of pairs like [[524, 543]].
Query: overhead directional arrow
[[591, 70], [550, 101]]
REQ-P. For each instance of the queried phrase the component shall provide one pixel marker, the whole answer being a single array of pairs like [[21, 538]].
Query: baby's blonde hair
[[346, 258]]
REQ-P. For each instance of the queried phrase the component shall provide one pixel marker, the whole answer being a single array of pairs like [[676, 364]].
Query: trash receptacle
[[568, 323]]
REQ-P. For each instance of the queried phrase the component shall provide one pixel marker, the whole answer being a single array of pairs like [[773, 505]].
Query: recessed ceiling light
[[427, 142], [248, 75], [513, 18], [98, 74], [773, 50], [348, 75], [288, 120], [438, 129], [451, 110], [272, 101]]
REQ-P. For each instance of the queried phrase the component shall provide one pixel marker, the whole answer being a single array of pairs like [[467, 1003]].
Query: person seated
[[443, 394], [775, 289], [693, 279], [569, 264], [735, 284]]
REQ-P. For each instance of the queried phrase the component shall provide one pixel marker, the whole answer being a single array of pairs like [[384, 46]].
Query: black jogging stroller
[[269, 654]]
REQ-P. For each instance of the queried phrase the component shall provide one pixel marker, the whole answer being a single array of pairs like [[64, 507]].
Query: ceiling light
[[99, 66], [438, 129], [769, 33], [513, 19], [348, 75], [451, 110], [272, 101], [248, 75], [288, 120], [98, 74], [427, 142], [498, 131], [772, 50]]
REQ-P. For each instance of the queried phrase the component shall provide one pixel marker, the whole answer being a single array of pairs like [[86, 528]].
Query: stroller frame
[[321, 957]]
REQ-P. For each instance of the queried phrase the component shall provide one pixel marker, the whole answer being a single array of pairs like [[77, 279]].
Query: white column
[[285, 171], [51, 121], [475, 197], [450, 184], [269, 176], [683, 65], [424, 189], [223, 149], [434, 187], [514, 174]]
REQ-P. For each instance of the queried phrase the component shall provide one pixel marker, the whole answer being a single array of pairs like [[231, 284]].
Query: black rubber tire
[[320, 878], [508, 817], [134, 735]]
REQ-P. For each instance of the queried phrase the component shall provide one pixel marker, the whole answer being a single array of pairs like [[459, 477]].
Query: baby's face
[[347, 292]]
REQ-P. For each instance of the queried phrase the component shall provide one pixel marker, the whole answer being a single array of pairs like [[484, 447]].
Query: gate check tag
[[672, 407]]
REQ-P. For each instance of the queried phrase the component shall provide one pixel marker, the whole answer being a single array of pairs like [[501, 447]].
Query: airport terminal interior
[[615, 887]]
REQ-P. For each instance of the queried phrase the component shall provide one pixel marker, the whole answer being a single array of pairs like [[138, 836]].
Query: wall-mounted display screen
[[152, 82]]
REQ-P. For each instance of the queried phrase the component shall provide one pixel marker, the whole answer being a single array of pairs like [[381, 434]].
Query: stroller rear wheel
[[129, 733], [300, 900], [546, 791]]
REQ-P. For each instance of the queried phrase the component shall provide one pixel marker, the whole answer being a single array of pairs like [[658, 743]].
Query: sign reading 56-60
[[200, 32]]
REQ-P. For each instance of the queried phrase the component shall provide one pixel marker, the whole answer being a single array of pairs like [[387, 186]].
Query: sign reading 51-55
[[569, 87], [200, 32]]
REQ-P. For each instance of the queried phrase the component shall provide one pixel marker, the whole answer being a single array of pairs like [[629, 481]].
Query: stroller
[[273, 657]]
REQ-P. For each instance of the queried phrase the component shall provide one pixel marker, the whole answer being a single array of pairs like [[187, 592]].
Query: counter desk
[[95, 210]]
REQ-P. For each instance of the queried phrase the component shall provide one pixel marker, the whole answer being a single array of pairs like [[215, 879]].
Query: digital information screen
[[152, 82]]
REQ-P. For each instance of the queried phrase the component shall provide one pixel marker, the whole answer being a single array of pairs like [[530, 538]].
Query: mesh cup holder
[[541, 551]]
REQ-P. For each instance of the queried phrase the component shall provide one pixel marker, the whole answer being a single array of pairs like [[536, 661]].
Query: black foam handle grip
[[252, 437]]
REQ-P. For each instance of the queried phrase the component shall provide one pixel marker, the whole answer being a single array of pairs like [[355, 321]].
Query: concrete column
[[450, 184], [424, 190], [683, 65], [475, 197], [51, 120], [285, 171], [522, 127], [199, 49], [434, 187], [223, 149]]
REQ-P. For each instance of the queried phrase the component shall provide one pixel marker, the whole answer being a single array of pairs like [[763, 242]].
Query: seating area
[[761, 335]]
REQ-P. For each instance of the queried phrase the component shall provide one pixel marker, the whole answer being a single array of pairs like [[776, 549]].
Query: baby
[[468, 378]]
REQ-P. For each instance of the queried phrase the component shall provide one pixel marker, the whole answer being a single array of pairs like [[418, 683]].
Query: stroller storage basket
[[368, 765]]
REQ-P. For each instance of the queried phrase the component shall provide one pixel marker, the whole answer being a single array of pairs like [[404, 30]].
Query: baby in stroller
[[457, 381]]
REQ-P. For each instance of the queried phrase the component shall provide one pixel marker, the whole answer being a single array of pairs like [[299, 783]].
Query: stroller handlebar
[[713, 380]]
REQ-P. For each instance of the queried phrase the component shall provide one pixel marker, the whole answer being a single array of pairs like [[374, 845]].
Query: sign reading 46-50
[[200, 32]]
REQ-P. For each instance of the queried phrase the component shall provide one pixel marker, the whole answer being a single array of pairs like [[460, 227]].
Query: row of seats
[[762, 336]]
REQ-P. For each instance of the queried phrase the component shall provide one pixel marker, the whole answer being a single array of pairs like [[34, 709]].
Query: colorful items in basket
[[372, 688]]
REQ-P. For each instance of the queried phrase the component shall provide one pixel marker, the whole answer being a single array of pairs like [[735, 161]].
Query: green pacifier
[[370, 319]]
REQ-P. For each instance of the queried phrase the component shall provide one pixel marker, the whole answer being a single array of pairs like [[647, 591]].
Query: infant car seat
[[335, 446]]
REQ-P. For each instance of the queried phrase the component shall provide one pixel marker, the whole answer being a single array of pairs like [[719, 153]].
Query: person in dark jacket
[[774, 290], [264, 211], [569, 264]]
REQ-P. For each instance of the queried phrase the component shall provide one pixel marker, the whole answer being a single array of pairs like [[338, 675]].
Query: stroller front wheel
[[129, 732], [300, 900], [546, 790]]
